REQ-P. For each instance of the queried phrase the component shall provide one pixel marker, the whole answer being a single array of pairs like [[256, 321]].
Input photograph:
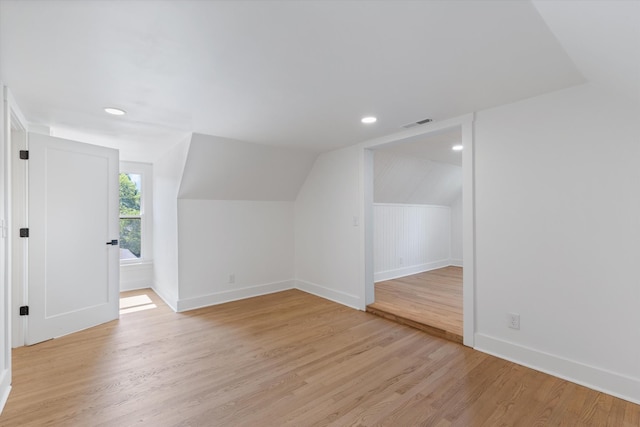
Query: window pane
[[130, 185], [130, 238]]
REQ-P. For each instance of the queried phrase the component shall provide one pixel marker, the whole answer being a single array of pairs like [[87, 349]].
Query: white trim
[[135, 276], [367, 238], [41, 129], [11, 118], [16, 290], [468, 232], [19, 171], [411, 205], [456, 262], [468, 211], [429, 128], [222, 297], [233, 295], [5, 389], [171, 302], [408, 271], [613, 383], [5, 241], [15, 114], [19, 247], [343, 298]]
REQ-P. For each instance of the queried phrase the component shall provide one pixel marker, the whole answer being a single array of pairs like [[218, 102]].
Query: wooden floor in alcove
[[431, 301]]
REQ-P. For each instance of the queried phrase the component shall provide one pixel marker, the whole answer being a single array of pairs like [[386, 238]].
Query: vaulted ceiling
[[283, 73], [223, 169], [419, 170]]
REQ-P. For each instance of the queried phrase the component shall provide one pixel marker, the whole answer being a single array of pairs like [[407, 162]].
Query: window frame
[[146, 244]]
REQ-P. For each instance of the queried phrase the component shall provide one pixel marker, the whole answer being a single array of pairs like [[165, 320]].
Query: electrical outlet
[[232, 278], [513, 321]]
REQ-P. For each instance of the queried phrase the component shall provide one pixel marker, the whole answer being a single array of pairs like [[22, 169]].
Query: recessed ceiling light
[[368, 120], [115, 111], [457, 148]]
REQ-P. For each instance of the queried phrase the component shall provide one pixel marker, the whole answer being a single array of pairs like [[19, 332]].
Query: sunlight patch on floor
[[136, 303]]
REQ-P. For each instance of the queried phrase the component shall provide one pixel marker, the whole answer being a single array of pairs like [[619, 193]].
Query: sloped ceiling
[[414, 180], [602, 38], [224, 169], [436, 147], [419, 170], [295, 74]]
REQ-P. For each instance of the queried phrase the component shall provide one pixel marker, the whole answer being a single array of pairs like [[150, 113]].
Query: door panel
[[73, 213]]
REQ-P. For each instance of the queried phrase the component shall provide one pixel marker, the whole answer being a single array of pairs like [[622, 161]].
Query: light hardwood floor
[[431, 301], [288, 358]]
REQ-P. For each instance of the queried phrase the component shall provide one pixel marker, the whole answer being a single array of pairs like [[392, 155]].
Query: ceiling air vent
[[418, 123]]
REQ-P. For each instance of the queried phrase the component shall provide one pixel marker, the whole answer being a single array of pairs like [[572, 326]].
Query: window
[[136, 214], [130, 216]]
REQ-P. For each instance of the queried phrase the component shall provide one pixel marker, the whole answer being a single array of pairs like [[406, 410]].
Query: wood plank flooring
[[431, 301], [285, 359]]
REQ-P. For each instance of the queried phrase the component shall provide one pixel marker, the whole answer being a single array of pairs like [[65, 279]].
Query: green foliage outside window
[[129, 196], [130, 232]]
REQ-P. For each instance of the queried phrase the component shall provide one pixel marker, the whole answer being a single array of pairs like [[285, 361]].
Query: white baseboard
[[136, 276], [5, 388], [456, 262], [136, 285], [615, 384], [407, 271], [233, 295], [171, 301], [330, 294]]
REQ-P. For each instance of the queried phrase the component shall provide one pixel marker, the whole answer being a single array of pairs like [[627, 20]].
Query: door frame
[[11, 120], [466, 124], [19, 212], [17, 140]]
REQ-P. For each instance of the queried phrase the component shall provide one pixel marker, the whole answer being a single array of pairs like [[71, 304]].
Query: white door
[[73, 218]]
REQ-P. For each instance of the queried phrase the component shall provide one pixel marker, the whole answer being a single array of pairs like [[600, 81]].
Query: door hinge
[[24, 232], [24, 154], [24, 310]]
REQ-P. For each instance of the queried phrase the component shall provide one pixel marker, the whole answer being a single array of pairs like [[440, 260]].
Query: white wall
[[412, 178], [410, 239], [167, 173], [558, 235], [236, 218], [251, 240], [328, 246], [456, 232], [137, 275]]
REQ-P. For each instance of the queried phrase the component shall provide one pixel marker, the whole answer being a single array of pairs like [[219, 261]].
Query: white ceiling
[[415, 180], [602, 38], [293, 74], [434, 147], [420, 169], [224, 169]]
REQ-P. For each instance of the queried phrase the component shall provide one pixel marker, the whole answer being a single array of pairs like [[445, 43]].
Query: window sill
[[139, 263]]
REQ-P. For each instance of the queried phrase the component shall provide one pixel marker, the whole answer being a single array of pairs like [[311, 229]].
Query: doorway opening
[[419, 230]]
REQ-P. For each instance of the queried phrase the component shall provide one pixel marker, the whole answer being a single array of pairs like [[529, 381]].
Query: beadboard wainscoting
[[410, 239]]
